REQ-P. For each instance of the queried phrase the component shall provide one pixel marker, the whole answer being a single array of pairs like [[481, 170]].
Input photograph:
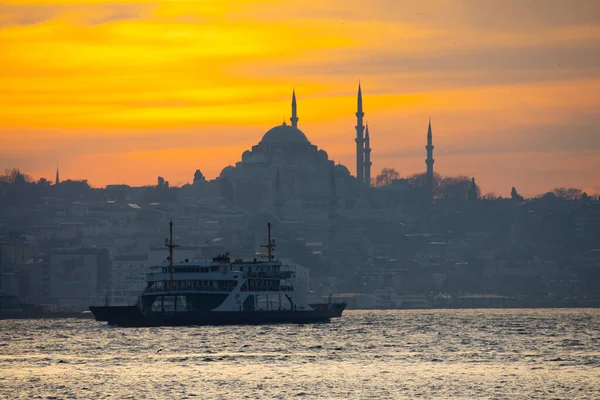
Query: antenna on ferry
[[271, 243], [171, 246]]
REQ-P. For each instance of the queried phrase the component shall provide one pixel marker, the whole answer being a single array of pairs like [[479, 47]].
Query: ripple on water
[[365, 354]]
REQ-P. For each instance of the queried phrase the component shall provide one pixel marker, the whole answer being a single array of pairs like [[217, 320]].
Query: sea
[[399, 354]]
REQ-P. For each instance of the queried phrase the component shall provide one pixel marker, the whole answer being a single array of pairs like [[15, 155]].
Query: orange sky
[[121, 92]]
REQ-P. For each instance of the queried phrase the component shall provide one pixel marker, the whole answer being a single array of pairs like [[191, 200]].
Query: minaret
[[57, 180], [294, 119], [360, 139], [429, 162], [367, 157]]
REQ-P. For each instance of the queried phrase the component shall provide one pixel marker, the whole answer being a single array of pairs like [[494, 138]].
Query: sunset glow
[[123, 92]]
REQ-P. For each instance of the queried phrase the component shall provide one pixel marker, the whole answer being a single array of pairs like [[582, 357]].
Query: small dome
[[549, 196], [341, 170], [284, 134], [246, 155], [227, 171]]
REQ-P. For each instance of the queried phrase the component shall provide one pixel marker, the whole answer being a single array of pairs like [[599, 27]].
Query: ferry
[[220, 291]]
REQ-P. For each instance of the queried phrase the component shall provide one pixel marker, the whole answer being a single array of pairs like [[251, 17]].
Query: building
[[285, 165], [78, 276], [363, 144], [429, 162], [128, 277]]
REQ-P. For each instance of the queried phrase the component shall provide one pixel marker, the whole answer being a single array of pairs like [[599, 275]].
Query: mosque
[[285, 167]]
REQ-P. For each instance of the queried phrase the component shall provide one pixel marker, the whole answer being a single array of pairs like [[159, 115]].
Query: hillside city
[[378, 242]]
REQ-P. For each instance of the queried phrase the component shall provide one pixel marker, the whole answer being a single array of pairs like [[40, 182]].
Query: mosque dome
[[341, 170], [284, 134], [227, 171], [246, 155]]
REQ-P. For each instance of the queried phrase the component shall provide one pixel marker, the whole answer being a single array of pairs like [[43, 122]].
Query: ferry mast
[[171, 246], [271, 243]]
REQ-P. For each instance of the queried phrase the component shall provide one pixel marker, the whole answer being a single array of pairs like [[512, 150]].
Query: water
[[545, 354]]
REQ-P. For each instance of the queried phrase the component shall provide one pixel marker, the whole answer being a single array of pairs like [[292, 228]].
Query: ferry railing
[[282, 288], [189, 288], [271, 275]]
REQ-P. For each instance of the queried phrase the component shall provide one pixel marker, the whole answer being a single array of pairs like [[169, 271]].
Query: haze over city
[[123, 92], [305, 198]]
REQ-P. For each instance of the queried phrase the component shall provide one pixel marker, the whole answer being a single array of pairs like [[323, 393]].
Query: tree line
[[463, 187]]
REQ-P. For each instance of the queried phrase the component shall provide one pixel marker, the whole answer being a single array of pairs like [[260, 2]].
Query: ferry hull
[[131, 316]]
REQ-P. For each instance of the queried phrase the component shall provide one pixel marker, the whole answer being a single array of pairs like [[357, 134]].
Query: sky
[[124, 91]]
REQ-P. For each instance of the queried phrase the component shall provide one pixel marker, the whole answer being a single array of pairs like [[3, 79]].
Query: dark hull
[[131, 316], [336, 308]]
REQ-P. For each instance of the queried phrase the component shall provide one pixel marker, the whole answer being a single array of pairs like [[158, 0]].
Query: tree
[[515, 195], [455, 188], [490, 196], [162, 183], [549, 196], [567, 194], [419, 180], [473, 192], [585, 197], [198, 176], [43, 182], [574, 194], [386, 177], [14, 176]]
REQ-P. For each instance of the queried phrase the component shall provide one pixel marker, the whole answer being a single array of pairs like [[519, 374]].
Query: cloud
[[514, 140], [475, 14], [115, 13], [23, 14], [116, 83]]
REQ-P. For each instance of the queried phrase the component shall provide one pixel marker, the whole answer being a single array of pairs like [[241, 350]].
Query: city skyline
[[124, 93]]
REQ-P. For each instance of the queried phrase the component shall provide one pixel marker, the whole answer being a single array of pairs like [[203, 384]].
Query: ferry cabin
[[220, 284]]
